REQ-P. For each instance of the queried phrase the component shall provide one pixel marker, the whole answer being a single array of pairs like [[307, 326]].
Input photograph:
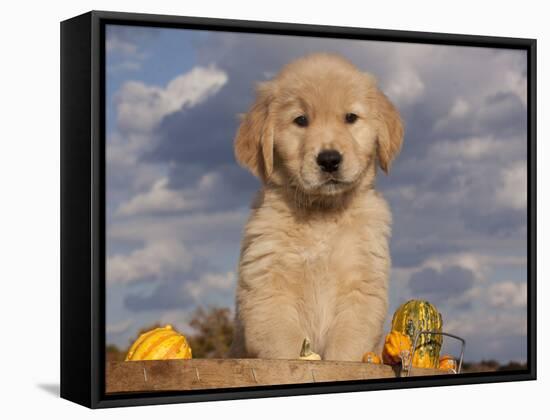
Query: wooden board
[[180, 375]]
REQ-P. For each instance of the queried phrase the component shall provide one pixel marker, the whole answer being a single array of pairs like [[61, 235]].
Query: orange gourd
[[447, 362], [397, 347], [371, 357]]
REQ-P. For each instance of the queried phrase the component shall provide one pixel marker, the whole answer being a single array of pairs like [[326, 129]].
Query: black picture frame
[[83, 207]]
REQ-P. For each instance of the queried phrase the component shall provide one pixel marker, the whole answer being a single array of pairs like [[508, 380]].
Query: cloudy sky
[[177, 201]]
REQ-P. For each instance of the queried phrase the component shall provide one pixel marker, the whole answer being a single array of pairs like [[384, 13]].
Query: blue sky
[[177, 201]]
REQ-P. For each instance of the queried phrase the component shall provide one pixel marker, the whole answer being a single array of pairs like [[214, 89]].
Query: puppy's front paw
[[352, 352]]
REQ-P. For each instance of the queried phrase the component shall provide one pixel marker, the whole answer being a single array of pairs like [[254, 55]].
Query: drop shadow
[[52, 389]]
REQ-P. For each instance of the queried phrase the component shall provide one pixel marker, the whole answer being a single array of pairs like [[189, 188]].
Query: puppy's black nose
[[329, 160]]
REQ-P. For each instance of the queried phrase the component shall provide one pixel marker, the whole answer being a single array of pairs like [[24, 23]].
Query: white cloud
[[471, 295], [482, 296], [404, 87], [190, 227], [140, 107], [459, 109], [512, 191], [210, 283], [162, 199], [487, 323], [126, 65], [507, 294], [488, 174], [123, 55], [476, 263], [157, 259], [473, 148], [117, 45], [405, 193], [158, 199], [479, 264], [203, 290], [119, 327], [471, 97], [517, 83]]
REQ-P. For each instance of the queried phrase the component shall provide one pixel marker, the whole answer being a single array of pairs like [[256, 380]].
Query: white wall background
[[29, 270]]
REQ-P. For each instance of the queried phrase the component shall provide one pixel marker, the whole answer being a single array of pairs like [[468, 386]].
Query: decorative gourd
[[397, 347], [306, 353], [371, 357], [160, 344], [447, 362], [418, 315]]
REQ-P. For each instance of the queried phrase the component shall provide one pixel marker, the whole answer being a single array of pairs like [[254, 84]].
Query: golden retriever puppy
[[314, 257]]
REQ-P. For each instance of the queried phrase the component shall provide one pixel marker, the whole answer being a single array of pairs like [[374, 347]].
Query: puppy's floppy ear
[[254, 140], [390, 128]]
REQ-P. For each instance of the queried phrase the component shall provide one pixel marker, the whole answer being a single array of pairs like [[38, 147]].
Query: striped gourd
[[160, 344], [418, 315]]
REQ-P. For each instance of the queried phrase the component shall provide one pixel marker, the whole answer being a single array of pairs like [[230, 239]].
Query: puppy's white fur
[[314, 257]]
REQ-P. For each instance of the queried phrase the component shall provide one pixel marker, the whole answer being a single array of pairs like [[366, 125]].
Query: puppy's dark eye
[[301, 121], [351, 117]]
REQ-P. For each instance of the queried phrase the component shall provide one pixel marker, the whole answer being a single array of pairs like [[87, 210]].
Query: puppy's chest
[[313, 247], [322, 262], [321, 250]]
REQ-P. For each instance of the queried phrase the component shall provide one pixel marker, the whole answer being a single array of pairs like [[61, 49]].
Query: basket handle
[[419, 333]]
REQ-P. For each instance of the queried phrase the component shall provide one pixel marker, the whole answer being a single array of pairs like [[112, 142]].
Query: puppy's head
[[318, 126]]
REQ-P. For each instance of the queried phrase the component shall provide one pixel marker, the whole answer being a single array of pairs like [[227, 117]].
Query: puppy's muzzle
[[329, 160]]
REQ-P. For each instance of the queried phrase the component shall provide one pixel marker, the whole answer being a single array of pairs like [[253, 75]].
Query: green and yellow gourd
[[419, 315]]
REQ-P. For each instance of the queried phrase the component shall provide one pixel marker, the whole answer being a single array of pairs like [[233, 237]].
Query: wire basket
[[407, 359]]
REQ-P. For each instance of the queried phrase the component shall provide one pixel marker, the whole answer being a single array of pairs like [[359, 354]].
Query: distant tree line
[[491, 366]]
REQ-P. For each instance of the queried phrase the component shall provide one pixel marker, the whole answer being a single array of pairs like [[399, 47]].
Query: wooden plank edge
[[196, 374]]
